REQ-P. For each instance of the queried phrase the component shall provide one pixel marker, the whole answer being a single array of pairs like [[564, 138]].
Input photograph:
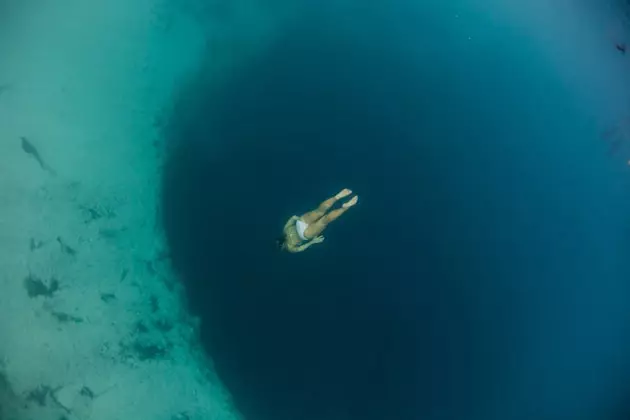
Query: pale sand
[[84, 81]]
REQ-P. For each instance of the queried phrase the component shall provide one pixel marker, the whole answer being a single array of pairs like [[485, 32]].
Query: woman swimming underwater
[[299, 233]]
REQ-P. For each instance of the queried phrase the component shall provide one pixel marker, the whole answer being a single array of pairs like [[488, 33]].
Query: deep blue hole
[[348, 328]]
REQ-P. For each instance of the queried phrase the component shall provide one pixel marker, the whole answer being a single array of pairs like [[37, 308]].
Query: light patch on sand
[[92, 326]]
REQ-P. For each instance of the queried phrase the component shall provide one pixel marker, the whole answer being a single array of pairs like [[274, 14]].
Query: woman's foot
[[343, 193], [350, 203]]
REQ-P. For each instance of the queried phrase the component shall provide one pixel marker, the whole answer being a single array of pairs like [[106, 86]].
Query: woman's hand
[[319, 239]]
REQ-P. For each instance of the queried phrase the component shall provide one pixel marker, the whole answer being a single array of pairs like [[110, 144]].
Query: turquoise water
[[483, 274]]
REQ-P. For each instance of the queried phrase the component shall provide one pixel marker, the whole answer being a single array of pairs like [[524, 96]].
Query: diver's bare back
[[292, 239]]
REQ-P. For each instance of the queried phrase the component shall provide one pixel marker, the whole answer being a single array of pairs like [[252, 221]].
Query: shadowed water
[[481, 264]]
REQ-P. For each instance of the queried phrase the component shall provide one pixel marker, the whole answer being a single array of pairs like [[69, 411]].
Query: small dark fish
[[35, 244], [621, 48], [29, 149], [87, 392], [65, 248], [108, 297]]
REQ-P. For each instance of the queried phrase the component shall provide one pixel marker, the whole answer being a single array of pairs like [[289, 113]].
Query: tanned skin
[[317, 221]]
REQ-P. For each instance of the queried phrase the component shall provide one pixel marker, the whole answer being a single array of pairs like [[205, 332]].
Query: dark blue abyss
[[481, 275]]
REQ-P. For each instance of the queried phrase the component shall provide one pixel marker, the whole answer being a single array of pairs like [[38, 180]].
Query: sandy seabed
[[92, 323]]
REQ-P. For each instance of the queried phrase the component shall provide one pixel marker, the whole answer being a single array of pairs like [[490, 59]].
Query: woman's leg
[[318, 227], [319, 212]]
